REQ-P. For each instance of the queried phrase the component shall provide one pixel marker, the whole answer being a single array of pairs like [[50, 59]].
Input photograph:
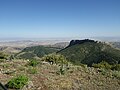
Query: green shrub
[[55, 59], [6, 65], [59, 60], [105, 65], [18, 82], [33, 63], [3, 55], [107, 73], [83, 65], [116, 67], [11, 57], [61, 71], [116, 74], [102, 64], [103, 71], [2, 60]]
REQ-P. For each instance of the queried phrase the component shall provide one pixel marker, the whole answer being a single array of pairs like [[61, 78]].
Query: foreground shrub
[[33, 63], [116, 74], [61, 70], [18, 82], [55, 59], [59, 60], [83, 65], [2, 60], [116, 67], [102, 64], [3, 55]]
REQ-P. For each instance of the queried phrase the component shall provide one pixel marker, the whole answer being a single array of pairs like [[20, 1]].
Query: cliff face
[[74, 42]]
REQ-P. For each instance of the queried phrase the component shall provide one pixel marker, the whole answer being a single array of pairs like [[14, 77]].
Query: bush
[[105, 65], [116, 74], [55, 59], [18, 82], [33, 63], [3, 55], [116, 67], [102, 64], [83, 65], [61, 71], [103, 71], [2, 60], [59, 60]]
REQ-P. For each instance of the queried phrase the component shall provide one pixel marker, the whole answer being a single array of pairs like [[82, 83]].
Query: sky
[[59, 18]]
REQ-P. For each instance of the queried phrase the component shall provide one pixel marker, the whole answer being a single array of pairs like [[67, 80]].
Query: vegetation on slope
[[3, 55], [91, 52], [47, 77], [35, 52], [55, 72], [18, 82]]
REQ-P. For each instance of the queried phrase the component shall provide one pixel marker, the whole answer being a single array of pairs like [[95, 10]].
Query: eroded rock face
[[74, 42]]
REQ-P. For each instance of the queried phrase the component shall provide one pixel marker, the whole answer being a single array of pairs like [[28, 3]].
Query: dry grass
[[46, 78]]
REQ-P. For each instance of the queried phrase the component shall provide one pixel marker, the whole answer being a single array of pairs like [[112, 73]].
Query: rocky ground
[[47, 77]]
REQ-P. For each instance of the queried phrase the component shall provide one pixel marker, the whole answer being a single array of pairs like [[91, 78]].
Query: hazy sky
[[59, 18]]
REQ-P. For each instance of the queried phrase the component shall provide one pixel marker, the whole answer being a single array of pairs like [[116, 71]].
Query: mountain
[[35, 52], [89, 52]]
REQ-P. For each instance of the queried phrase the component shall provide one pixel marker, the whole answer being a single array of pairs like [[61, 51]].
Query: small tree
[[11, 57], [57, 59], [116, 67], [102, 64], [3, 55]]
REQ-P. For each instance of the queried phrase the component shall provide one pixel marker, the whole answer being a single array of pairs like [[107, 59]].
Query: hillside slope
[[89, 52], [10, 50], [35, 52], [47, 78]]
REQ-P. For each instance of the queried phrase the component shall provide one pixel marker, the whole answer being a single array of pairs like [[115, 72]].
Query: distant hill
[[60, 45], [115, 44], [89, 52], [35, 52], [10, 50]]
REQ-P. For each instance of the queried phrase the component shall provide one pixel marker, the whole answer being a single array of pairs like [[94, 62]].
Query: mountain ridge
[[89, 51]]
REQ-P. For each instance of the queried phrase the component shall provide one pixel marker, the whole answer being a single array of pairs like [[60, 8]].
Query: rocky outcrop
[[74, 42]]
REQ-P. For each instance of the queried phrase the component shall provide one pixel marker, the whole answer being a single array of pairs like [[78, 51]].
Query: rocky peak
[[74, 42]]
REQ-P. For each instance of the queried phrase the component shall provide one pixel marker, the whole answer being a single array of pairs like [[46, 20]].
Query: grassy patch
[[32, 70], [33, 63], [18, 82], [116, 74]]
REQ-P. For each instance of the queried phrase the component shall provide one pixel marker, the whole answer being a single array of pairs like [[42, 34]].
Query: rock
[[28, 86], [39, 88], [74, 42]]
